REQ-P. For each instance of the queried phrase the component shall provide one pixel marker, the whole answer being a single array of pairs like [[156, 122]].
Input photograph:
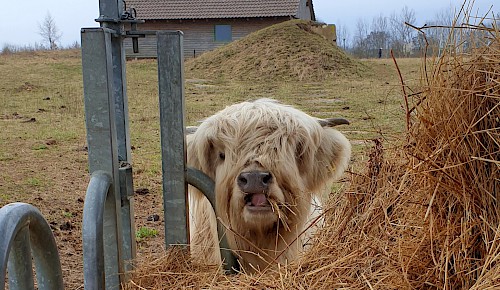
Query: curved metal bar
[[20, 262], [92, 230], [203, 182], [20, 223], [206, 185]]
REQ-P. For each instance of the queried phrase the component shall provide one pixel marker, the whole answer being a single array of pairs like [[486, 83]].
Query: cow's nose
[[252, 182]]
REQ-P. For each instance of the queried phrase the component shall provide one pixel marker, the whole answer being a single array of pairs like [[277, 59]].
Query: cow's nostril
[[266, 178], [242, 180]]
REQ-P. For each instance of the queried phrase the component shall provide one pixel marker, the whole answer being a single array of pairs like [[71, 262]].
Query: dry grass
[[422, 216]]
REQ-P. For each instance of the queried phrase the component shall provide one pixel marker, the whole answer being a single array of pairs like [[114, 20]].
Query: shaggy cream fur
[[301, 157]]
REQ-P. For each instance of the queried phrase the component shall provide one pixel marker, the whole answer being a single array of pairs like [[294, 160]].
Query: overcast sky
[[21, 18]]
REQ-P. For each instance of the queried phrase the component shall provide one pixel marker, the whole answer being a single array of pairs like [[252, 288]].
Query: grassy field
[[43, 158]]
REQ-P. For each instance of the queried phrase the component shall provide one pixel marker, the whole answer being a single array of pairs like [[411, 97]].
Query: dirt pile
[[285, 51]]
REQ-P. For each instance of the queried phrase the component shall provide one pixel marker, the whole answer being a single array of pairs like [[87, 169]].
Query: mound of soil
[[285, 51]]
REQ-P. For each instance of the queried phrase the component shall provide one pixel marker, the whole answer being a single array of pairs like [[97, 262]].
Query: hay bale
[[423, 216], [456, 154]]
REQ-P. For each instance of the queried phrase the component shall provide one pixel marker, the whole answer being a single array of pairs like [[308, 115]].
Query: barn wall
[[304, 11], [198, 34]]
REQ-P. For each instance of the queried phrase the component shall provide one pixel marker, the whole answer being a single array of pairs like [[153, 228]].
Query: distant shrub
[[74, 45], [10, 48], [7, 49]]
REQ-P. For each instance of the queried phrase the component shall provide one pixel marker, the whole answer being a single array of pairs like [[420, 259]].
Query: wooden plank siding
[[305, 10], [198, 34]]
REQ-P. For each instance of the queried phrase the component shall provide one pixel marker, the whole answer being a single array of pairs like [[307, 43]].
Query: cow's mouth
[[257, 202]]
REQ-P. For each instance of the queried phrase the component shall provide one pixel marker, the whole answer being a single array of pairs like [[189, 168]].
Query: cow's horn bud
[[332, 122]]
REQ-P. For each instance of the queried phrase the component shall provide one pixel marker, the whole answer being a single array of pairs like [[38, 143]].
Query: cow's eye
[[222, 156]]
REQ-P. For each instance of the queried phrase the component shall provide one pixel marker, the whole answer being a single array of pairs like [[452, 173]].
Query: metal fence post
[[175, 174], [110, 16], [128, 219], [102, 147], [173, 143]]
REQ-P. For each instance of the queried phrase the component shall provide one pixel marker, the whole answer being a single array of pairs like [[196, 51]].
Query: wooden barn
[[208, 24]]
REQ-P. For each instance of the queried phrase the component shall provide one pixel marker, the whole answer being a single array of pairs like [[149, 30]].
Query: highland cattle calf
[[270, 162]]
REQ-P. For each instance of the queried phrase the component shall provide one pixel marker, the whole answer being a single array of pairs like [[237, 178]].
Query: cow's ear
[[192, 152], [330, 159], [190, 130], [200, 153]]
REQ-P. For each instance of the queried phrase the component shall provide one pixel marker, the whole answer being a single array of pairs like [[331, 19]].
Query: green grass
[[40, 147], [33, 181], [144, 233], [67, 214], [6, 156]]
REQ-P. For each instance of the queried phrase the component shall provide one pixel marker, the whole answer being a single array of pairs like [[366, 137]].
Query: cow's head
[[266, 160]]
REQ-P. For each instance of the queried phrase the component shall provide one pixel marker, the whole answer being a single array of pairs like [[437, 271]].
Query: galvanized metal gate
[[111, 184], [108, 224]]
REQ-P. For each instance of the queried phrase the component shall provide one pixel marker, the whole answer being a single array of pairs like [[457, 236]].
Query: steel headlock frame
[[108, 226]]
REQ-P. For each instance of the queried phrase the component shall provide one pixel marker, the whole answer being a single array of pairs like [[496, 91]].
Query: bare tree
[[360, 46], [407, 16], [379, 37], [49, 31], [440, 29], [380, 23], [342, 36], [402, 35]]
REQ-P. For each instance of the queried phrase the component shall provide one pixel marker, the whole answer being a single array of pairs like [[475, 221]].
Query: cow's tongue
[[259, 199]]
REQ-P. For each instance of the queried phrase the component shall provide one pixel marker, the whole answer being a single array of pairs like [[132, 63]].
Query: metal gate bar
[[110, 17], [25, 233], [206, 185], [96, 276], [173, 141]]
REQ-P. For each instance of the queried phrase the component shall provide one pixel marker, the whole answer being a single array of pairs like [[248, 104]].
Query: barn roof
[[203, 9]]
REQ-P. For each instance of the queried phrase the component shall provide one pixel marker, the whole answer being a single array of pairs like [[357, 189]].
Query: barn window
[[223, 33]]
